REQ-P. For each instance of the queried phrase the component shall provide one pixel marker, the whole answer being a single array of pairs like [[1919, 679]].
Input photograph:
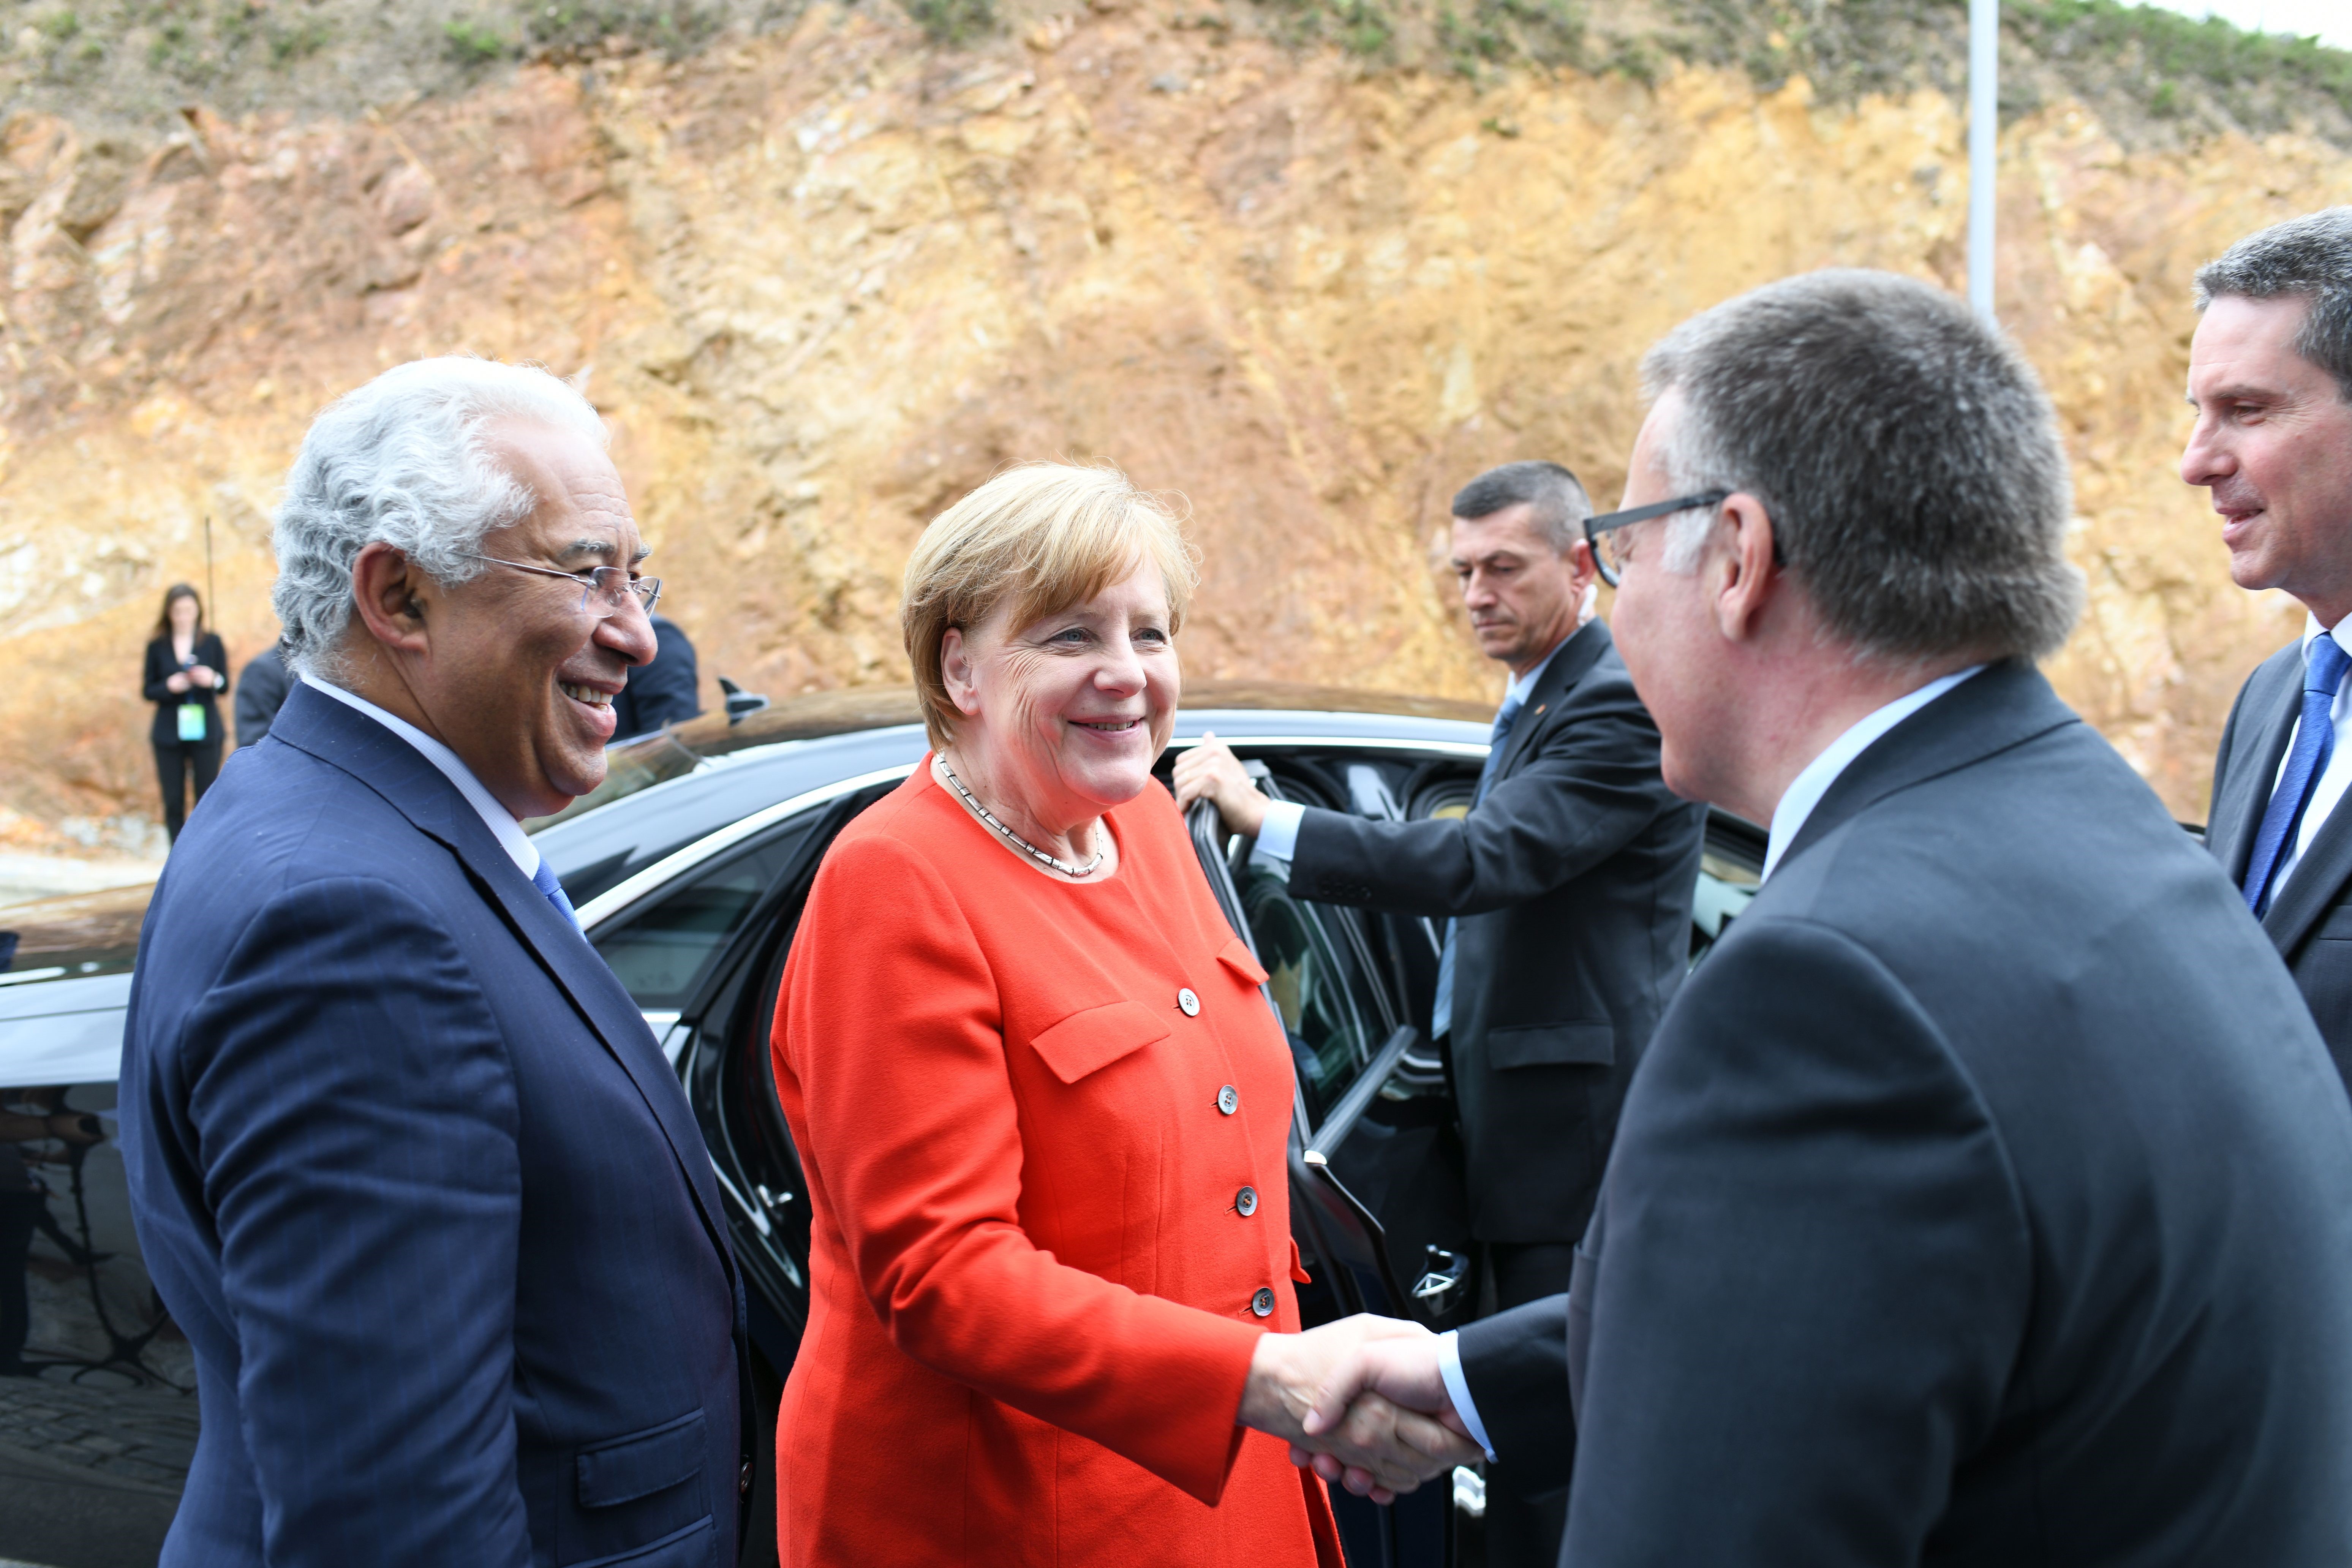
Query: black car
[[689, 867], [694, 869]]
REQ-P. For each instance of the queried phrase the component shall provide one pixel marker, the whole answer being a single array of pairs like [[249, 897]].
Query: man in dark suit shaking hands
[[1566, 894], [1983, 1195], [2270, 374], [407, 1165]]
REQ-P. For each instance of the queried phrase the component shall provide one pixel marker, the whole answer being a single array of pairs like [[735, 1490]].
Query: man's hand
[[1375, 1447], [1211, 772], [1395, 1372]]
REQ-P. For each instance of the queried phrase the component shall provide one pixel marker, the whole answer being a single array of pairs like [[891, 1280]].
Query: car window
[[1725, 889], [662, 952], [1316, 984]]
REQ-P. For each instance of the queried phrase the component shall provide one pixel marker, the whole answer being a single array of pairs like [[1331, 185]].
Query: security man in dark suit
[[1569, 884], [2270, 373], [1983, 1197], [661, 692]]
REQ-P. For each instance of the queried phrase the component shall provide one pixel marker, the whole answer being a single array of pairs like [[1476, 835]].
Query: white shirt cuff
[[1449, 1367], [1277, 835]]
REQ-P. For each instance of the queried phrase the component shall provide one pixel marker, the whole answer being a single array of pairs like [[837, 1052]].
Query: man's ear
[[956, 672], [1582, 570], [1745, 579], [385, 588]]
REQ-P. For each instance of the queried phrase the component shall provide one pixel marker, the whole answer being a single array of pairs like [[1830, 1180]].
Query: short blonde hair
[[1045, 536]]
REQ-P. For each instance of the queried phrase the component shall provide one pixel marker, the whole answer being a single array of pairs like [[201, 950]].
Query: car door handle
[[1444, 1274]]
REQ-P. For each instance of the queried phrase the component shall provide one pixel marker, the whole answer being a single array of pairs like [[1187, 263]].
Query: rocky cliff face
[[822, 282]]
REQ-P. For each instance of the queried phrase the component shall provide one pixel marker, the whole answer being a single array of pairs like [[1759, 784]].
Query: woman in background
[[1041, 1106], [187, 671]]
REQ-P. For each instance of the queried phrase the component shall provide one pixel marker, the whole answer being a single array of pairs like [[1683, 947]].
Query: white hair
[[402, 461]]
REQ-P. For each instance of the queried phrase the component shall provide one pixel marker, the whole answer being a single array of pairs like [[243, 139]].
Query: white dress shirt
[[496, 817], [1797, 803], [2334, 778], [1278, 837]]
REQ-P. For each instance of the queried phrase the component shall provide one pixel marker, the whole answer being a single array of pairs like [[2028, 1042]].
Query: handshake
[[1360, 1402]]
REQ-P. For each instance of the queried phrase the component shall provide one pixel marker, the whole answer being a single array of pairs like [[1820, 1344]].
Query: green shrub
[[953, 21], [472, 43]]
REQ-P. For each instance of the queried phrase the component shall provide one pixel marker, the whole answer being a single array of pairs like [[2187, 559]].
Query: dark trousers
[[173, 761], [1524, 1532], [19, 1214]]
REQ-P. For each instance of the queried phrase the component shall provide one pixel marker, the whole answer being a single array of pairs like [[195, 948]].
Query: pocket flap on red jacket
[[1236, 957], [1091, 1040], [1299, 1265]]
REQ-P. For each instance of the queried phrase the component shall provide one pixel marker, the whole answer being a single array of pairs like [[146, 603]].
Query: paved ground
[[26, 877], [89, 1476]]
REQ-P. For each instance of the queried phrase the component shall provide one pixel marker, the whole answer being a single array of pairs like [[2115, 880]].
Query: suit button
[[1189, 1003], [743, 1481], [1262, 1302], [1228, 1099], [1246, 1202]]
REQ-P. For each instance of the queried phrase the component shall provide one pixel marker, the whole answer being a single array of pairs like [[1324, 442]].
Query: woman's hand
[[204, 676], [176, 681], [1211, 772], [1379, 1448]]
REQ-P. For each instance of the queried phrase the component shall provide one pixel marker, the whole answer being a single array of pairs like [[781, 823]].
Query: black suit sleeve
[[161, 668], [1516, 1363], [1812, 1273], [1588, 786]]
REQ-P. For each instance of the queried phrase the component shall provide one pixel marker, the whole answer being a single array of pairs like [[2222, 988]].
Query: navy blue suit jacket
[[1984, 1198], [411, 1172]]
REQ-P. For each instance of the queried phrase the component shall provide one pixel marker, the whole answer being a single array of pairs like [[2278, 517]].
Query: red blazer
[[1032, 1287]]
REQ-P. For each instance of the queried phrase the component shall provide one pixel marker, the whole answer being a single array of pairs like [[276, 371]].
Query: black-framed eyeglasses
[[1609, 547], [605, 590]]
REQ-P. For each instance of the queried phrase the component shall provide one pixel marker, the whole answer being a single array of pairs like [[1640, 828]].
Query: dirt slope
[[822, 281]]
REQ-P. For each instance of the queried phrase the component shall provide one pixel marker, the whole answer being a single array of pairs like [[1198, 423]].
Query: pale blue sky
[[2330, 19]]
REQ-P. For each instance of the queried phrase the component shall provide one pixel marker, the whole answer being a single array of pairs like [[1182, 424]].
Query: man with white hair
[[1982, 1196], [408, 1167], [2270, 375]]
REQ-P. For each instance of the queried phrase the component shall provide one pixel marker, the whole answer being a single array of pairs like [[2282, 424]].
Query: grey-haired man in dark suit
[[1565, 892], [2270, 374]]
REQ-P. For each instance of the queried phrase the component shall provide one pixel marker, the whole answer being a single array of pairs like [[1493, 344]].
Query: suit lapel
[[2273, 696], [1576, 655], [1990, 711], [2318, 877], [411, 785]]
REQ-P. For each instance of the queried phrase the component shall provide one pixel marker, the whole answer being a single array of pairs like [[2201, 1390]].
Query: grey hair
[[2310, 256], [1557, 496], [401, 461], [1905, 451]]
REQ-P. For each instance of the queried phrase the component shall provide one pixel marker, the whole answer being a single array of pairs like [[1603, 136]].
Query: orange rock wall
[[823, 284]]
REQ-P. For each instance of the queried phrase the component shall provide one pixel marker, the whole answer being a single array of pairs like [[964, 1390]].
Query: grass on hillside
[[2152, 75]]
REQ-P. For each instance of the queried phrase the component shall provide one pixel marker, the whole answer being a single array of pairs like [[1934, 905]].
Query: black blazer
[[161, 665], [2310, 920], [1983, 1199], [261, 688], [1573, 882], [662, 690]]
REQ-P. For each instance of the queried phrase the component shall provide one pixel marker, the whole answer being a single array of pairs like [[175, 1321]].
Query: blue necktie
[[1441, 1015], [2322, 672], [544, 880]]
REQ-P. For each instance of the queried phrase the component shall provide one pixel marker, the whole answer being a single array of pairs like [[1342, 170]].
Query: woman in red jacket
[[1041, 1105]]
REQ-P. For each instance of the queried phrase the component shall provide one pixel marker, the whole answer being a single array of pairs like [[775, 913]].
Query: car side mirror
[[740, 702]]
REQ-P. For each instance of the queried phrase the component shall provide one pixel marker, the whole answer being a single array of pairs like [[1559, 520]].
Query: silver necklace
[[1064, 867]]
